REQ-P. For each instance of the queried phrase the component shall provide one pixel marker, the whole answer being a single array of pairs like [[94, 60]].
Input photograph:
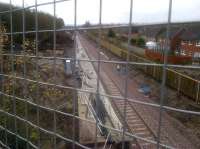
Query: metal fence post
[[37, 74], [197, 94], [179, 83], [75, 94], [13, 73], [127, 73], [98, 69], [164, 75], [54, 67], [24, 74]]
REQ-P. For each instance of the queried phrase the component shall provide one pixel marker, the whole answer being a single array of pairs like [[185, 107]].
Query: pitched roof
[[190, 35], [183, 33]]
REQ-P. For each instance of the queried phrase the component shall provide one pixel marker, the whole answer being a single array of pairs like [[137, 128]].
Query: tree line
[[45, 22]]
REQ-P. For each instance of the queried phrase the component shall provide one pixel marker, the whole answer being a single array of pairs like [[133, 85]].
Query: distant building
[[184, 46], [190, 45], [183, 43]]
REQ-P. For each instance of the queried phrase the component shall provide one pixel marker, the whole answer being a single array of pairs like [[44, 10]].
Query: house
[[183, 41], [190, 44], [184, 45]]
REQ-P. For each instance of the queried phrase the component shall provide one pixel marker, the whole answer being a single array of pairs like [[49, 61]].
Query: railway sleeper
[[128, 108], [133, 121], [131, 115], [148, 146], [140, 129]]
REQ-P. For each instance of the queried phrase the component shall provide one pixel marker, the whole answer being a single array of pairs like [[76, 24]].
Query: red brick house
[[184, 46], [190, 44]]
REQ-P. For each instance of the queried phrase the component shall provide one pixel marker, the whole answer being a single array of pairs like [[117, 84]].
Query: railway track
[[147, 116], [134, 122]]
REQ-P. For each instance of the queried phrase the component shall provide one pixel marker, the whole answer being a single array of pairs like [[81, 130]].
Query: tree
[[3, 38], [111, 33], [87, 24], [45, 22], [133, 41], [140, 42], [29, 46]]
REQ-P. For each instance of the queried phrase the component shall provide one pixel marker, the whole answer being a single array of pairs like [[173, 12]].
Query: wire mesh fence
[[42, 107]]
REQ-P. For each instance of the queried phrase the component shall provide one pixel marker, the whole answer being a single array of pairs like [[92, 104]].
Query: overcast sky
[[117, 11]]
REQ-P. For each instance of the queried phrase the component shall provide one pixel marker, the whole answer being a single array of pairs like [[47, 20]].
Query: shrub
[[140, 42], [111, 33], [3, 38], [133, 41]]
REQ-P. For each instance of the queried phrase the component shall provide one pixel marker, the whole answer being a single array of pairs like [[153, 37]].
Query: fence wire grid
[[34, 131]]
